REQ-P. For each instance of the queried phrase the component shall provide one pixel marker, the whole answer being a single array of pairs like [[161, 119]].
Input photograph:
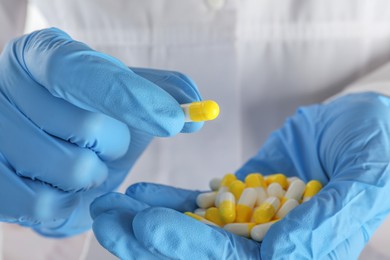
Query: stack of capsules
[[250, 208]]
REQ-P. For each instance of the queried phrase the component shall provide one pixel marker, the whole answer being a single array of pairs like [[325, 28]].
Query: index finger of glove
[[97, 82]]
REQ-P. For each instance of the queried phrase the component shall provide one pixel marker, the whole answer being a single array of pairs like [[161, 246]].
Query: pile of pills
[[250, 208]]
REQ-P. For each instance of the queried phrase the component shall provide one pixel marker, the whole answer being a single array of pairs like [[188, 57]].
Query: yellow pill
[[227, 207], [279, 178], [200, 111], [228, 179], [245, 205], [237, 187], [241, 229], [312, 188], [212, 214], [265, 212], [199, 218], [255, 180]]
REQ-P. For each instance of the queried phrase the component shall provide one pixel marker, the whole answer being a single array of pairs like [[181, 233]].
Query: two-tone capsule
[[227, 207], [256, 181], [266, 211], [245, 205]]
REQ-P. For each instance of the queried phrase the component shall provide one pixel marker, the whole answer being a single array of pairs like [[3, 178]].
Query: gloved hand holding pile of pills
[[250, 208]]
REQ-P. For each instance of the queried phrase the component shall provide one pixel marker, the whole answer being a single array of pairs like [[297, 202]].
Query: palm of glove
[[73, 122], [344, 144]]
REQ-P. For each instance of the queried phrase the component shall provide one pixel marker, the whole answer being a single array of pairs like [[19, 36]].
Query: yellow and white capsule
[[199, 218], [279, 178], [237, 187], [295, 190], [227, 207], [275, 190], [224, 187], [312, 188], [256, 181], [289, 205], [200, 212], [266, 211], [245, 205], [215, 184], [206, 199], [241, 229], [258, 232], [213, 215], [200, 111]]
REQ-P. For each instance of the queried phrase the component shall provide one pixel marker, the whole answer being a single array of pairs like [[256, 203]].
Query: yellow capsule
[[245, 205], [241, 229], [200, 111], [237, 187], [312, 188], [228, 179], [279, 178], [227, 207], [258, 232], [212, 214], [266, 211], [199, 218], [255, 180]]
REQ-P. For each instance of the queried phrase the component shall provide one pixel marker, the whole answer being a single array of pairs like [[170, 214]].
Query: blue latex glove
[[345, 144], [72, 123]]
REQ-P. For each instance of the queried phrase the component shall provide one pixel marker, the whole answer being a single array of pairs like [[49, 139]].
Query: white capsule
[[295, 190], [275, 190], [215, 184], [241, 229], [289, 205], [200, 212], [291, 179], [261, 195], [221, 190], [206, 200], [258, 232]]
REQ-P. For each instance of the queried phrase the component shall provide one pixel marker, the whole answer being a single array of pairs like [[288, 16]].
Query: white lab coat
[[259, 59]]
